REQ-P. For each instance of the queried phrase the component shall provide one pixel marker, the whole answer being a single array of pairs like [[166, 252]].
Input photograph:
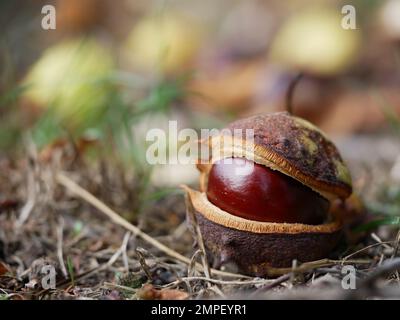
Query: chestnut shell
[[255, 254], [256, 247], [296, 148]]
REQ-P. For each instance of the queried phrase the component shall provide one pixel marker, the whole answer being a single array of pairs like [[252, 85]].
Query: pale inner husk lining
[[219, 216], [226, 146]]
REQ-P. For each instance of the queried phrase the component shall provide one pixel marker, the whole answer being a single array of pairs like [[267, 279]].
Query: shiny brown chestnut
[[278, 210], [263, 194]]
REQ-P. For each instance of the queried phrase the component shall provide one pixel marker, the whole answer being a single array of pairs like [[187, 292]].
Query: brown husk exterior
[[254, 253], [300, 149], [296, 148], [271, 245]]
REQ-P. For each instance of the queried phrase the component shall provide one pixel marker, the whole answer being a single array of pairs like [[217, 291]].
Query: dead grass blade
[[73, 187]]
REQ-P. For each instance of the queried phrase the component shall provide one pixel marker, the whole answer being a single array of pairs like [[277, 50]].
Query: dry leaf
[[64, 149], [231, 88], [4, 269], [8, 204], [148, 292]]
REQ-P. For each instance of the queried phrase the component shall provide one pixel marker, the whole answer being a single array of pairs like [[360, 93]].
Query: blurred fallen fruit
[[390, 18], [167, 42], [230, 88], [314, 41], [360, 111], [247, 29], [171, 175], [78, 15], [71, 79], [312, 95]]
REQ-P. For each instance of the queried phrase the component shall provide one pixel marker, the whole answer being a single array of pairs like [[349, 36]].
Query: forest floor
[[76, 217]]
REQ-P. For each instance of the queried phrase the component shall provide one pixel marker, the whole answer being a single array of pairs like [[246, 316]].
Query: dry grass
[[59, 212]]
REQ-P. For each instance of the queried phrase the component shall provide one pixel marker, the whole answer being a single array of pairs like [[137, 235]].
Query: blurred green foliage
[[128, 101], [393, 119]]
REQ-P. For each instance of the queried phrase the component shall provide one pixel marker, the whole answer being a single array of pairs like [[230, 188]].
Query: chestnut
[[263, 194], [279, 210]]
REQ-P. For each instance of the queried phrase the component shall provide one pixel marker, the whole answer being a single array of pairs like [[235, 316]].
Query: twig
[[386, 269], [102, 267], [31, 185], [199, 237], [217, 281], [180, 230], [290, 92], [89, 273], [396, 246], [396, 250], [366, 248], [293, 274], [217, 291], [30, 203], [377, 239], [110, 285], [124, 248], [60, 257], [272, 284], [308, 266], [192, 265], [368, 284], [116, 218], [142, 261]]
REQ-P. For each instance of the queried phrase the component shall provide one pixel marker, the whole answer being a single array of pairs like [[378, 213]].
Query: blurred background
[[112, 70]]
